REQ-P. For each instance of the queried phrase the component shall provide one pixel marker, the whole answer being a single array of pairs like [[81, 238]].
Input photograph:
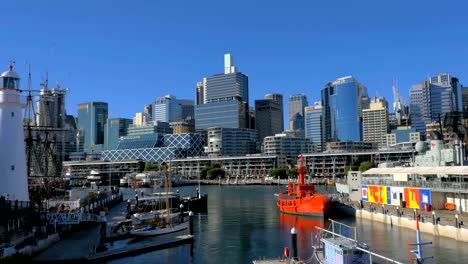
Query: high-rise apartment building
[[434, 98], [92, 118], [296, 104], [313, 125], [225, 99], [375, 122], [342, 103], [268, 117], [115, 128]]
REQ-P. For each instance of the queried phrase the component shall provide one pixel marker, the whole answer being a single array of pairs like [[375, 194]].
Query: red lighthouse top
[[301, 168]]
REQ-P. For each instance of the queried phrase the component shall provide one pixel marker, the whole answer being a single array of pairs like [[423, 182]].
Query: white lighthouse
[[13, 177]]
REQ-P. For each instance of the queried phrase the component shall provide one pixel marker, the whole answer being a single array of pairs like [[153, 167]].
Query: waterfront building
[[334, 163], [231, 141], [375, 122], [342, 103], [286, 146], [313, 125], [296, 105], [268, 117], [247, 165], [432, 99], [114, 130], [115, 169], [149, 128], [225, 99], [13, 175], [156, 147], [92, 118], [148, 111], [402, 134]]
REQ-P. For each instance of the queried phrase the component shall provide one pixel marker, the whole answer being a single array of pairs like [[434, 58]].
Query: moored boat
[[301, 199]]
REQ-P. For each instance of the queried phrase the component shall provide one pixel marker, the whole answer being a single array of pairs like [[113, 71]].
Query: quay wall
[[449, 231]]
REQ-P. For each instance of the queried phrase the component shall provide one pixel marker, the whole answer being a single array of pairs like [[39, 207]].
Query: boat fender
[[286, 252]]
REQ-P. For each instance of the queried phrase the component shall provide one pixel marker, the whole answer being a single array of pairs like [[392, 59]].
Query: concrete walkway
[[80, 244]]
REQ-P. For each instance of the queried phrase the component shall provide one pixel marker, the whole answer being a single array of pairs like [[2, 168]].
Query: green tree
[[281, 172], [215, 173], [365, 165], [151, 167], [293, 172], [204, 172]]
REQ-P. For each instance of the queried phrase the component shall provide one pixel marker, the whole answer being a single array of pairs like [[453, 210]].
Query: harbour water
[[243, 224]]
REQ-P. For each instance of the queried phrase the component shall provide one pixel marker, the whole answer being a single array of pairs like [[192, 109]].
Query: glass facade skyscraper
[[296, 104], [342, 103], [225, 99], [313, 125], [114, 129], [434, 98], [268, 117], [92, 118]]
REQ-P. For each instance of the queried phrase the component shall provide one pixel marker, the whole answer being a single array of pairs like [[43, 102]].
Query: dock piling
[[294, 242], [191, 222]]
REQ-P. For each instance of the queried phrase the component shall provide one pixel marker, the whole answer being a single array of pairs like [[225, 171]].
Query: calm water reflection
[[243, 224]]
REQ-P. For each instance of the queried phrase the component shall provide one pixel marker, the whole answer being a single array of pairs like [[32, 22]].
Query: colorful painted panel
[[417, 198], [364, 193], [377, 194], [396, 195]]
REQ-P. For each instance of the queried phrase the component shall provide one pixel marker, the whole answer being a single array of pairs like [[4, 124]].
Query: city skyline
[[100, 54]]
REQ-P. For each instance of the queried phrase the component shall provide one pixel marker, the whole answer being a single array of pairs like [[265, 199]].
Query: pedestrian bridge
[[72, 218]]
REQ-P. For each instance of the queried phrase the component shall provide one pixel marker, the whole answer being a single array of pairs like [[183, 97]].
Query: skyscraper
[[148, 111], [170, 109], [313, 125], [115, 128], [342, 103], [434, 98], [92, 118], [225, 99], [296, 104], [375, 122], [268, 117], [279, 99], [465, 102]]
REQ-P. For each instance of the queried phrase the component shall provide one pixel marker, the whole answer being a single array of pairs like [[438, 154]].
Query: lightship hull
[[314, 205]]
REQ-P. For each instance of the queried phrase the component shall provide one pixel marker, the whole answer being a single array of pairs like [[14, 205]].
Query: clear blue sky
[[127, 53]]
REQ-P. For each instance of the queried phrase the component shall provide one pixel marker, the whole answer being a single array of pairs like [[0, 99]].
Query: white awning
[[449, 170]]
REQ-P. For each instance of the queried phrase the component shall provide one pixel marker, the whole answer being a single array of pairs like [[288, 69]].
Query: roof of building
[[448, 170], [10, 73]]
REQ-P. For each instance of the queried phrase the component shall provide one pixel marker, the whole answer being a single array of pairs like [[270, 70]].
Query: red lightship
[[301, 199]]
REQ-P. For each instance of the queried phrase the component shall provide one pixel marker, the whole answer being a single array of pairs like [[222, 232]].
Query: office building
[[434, 98], [296, 105], [231, 141], [156, 148], [225, 99], [465, 102], [375, 122], [92, 118], [155, 127], [114, 130], [268, 117], [402, 134], [148, 111], [285, 146], [342, 103], [279, 99], [140, 119], [313, 125]]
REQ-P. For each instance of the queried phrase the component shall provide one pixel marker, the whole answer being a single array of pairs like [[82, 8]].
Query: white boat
[[158, 230], [332, 246], [152, 217]]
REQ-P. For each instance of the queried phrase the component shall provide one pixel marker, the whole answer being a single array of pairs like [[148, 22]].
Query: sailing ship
[[301, 199], [159, 222]]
